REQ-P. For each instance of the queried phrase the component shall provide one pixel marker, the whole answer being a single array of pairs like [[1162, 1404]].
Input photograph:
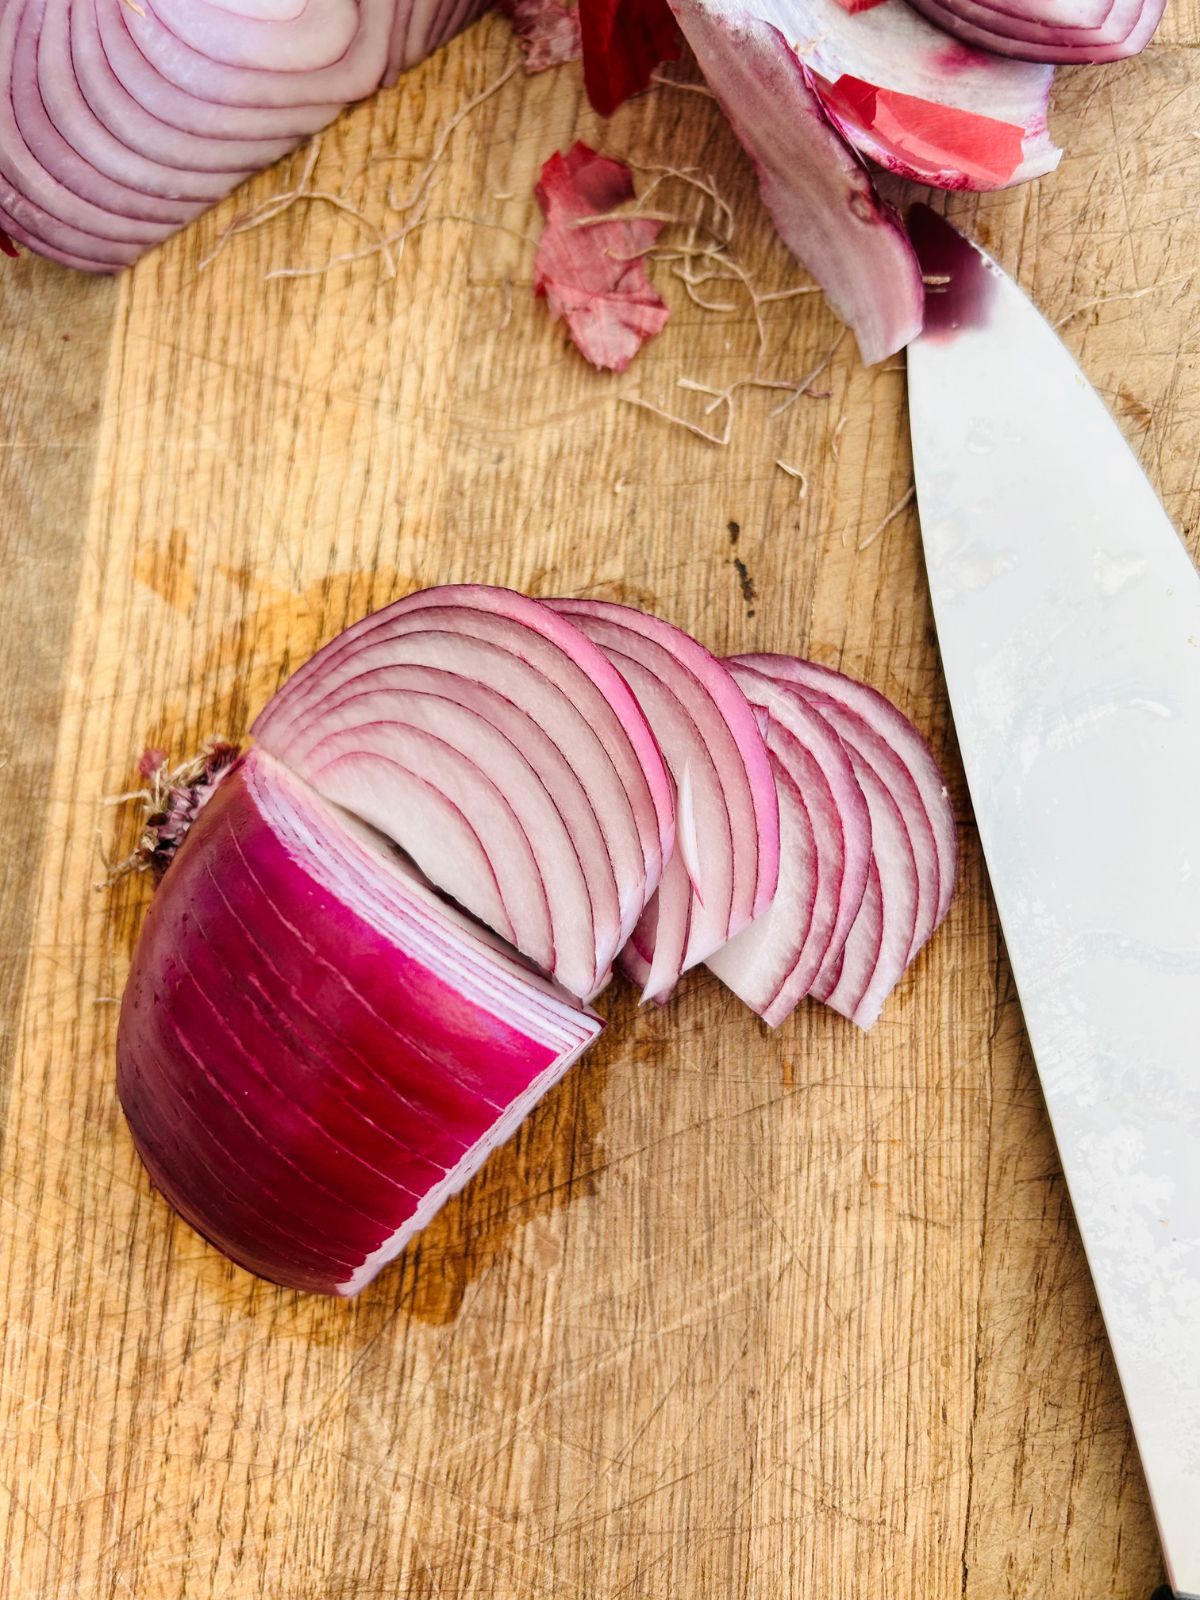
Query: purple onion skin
[[295, 1081]]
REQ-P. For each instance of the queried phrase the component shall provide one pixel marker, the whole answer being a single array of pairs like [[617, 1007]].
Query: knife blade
[[1068, 616]]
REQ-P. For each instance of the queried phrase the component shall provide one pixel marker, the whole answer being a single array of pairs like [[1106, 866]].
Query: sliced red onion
[[105, 50], [496, 744], [864, 709], [773, 964], [817, 191], [725, 867], [1041, 30], [315, 34], [958, 119], [877, 948], [314, 1052], [837, 706], [123, 122], [825, 831], [339, 73]]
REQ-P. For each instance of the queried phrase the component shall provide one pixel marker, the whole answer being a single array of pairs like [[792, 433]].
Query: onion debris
[[378, 930]]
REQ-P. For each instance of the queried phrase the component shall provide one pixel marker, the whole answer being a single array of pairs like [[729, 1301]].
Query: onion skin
[[954, 118], [312, 1054]]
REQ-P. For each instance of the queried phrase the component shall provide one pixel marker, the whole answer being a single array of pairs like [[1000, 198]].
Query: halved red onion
[[825, 857], [1049, 30], [104, 52], [122, 122], [313, 34], [496, 744], [972, 122], [97, 109], [420, 26], [817, 191], [725, 866], [314, 1051]]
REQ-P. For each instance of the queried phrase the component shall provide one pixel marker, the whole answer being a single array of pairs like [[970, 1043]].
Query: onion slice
[[314, 1052], [914, 846], [817, 191], [825, 856], [725, 867], [877, 948], [500, 748], [898, 751]]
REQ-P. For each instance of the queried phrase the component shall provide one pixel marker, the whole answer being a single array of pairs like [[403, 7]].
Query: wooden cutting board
[[736, 1314]]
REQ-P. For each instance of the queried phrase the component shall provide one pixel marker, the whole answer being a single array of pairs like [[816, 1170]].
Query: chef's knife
[[1068, 614]]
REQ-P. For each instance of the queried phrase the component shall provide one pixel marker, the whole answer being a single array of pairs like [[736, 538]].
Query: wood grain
[[736, 1313]]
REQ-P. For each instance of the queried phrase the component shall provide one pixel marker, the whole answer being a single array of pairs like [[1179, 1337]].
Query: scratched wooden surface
[[735, 1314]]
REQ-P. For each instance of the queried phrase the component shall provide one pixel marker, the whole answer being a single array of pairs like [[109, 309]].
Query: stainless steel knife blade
[[1068, 614]]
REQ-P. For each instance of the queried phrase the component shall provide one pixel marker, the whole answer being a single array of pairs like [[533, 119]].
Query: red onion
[[825, 856], [725, 867], [844, 747], [121, 123], [498, 746], [314, 1051], [871, 726], [1049, 30], [315, 1048]]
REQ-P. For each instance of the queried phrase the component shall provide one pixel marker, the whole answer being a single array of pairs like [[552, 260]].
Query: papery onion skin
[[313, 1053]]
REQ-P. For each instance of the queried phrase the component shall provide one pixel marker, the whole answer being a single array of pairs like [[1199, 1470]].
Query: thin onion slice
[[725, 867], [773, 963], [782, 956], [877, 947], [515, 767], [313, 1051], [899, 752], [888, 765]]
